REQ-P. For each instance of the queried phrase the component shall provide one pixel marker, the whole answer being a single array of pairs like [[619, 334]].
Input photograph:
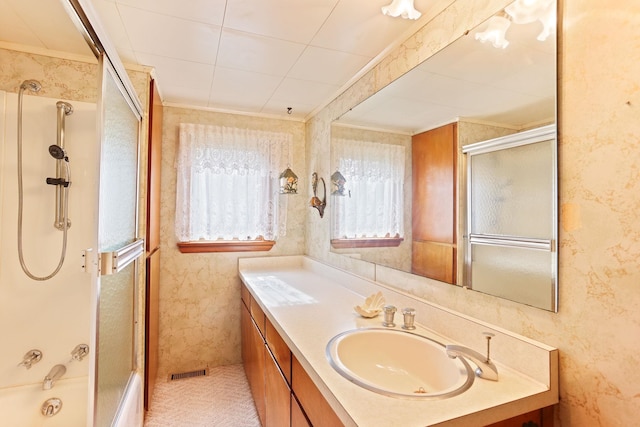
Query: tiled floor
[[220, 399]]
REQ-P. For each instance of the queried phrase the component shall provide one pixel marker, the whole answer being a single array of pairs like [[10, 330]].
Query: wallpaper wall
[[598, 322], [200, 293]]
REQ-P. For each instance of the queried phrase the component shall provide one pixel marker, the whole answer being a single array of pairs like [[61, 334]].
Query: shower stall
[[70, 247], [69, 256], [49, 316]]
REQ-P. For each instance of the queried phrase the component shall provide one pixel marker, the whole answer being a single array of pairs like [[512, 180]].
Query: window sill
[[383, 242], [226, 246]]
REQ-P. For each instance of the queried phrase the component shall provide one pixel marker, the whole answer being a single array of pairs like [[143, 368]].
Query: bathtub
[[21, 406]]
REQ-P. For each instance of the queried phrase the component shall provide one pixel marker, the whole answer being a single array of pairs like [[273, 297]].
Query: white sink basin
[[397, 363]]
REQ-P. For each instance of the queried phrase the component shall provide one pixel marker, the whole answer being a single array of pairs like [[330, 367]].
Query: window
[[227, 188], [371, 213]]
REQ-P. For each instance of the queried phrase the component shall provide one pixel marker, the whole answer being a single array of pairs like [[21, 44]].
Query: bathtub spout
[[54, 375]]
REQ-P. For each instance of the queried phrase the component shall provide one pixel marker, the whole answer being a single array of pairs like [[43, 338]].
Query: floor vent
[[183, 375]]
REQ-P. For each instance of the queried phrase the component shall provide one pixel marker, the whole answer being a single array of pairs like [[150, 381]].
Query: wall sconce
[[315, 200], [403, 8], [338, 182], [288, 182]]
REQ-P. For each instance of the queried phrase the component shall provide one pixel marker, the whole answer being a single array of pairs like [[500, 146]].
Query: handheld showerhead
[[58, 152], [32, 85]]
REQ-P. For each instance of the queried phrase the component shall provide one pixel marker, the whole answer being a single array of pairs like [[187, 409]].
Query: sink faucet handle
[[488, 336], [30, 357], [409, 317], [389, 312]]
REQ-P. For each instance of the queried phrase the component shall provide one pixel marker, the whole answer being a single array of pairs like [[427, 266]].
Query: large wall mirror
[[469, 92]]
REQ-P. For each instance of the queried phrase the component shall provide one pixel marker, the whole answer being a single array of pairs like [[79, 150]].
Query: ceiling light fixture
[[528, 11], [403, 8], [520, 12], [497, 27]]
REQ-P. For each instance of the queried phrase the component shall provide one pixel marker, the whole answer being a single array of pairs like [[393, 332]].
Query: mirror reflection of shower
[[61, 181]]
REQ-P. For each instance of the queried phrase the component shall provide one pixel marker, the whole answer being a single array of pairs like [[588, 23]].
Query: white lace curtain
[[374, 205], [227, 183]]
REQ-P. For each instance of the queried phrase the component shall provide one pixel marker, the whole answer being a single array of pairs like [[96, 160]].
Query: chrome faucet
[[54, 375], [486, 368]]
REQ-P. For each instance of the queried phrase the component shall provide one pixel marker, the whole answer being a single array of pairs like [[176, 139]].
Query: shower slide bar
[[58, 152], [116, 261]]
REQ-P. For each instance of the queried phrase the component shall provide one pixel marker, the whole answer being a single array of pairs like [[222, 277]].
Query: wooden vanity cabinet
[[283, 392], [434, 157], [538, 418], [269, 366]]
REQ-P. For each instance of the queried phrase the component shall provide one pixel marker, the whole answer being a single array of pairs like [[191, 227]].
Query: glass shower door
[[118, 246]]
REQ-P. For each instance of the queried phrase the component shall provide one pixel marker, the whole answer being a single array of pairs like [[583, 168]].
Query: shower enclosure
[[69, 321], [50, 316]]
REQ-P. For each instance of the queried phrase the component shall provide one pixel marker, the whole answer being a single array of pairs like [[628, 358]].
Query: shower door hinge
[[86, 260]]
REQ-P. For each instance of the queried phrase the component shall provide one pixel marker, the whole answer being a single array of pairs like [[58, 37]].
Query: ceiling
[[265, 56], [252, 56], [469, 80]]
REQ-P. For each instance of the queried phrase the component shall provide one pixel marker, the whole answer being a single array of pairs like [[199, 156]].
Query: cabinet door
[[253, 354], [434, 260], [313, 403], [538, 418], [298, 418], [277, 395], [434, 168], [245, 336]]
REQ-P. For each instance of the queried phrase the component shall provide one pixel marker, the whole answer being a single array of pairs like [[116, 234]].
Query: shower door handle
[[115, 261]]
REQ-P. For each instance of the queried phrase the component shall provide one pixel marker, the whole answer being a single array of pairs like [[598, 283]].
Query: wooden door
[[152, 244], [434, 212]]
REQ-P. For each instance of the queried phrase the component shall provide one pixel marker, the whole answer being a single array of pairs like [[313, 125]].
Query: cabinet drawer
[[280, 350], [258, 315], [245, 296]]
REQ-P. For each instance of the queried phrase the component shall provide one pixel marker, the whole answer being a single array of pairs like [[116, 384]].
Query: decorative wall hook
[[315, 200]]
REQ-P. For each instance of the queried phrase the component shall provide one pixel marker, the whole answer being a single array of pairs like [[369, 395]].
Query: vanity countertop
[[309, 303]]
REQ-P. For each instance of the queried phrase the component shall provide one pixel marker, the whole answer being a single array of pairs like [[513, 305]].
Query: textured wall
[[598, 323], [200, 293]]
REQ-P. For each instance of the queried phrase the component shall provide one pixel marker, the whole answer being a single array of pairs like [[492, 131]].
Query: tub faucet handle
[[30, 357], [79, 352]]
